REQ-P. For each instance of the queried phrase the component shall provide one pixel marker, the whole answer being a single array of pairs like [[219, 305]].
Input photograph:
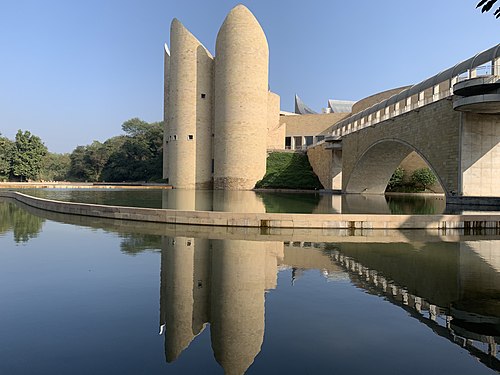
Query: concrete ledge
[[350, 222], [477, 85], [81, 185], [485, 103], [471, 203]]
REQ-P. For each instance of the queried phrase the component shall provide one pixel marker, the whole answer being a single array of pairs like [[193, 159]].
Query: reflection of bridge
[[222, 284], [450, 303], [452, 120]]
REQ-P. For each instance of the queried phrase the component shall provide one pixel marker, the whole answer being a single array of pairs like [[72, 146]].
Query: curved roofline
[[340, 106], [301, 108]]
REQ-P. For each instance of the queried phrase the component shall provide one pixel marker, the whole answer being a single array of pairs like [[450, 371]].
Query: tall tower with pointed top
[[218, 111], [189, 111], [166, 86], [241, 96]]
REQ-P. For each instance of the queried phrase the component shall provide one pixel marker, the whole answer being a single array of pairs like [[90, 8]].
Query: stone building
[[219, 113], [221, 120]]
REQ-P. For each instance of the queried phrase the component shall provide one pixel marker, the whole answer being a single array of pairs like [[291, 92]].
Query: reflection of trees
[[412, 205], [287, 202], [23, 225], [133, 244]]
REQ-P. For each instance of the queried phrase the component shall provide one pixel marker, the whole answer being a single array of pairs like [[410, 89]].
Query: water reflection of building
[[218, 200], [452, 288], [458, 300], [220, 282]]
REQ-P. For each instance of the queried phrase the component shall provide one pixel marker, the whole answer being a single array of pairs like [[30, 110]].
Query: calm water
[[249, 201], [95, 296]]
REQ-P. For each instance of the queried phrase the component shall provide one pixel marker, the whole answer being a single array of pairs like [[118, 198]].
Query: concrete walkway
[[264, 220]]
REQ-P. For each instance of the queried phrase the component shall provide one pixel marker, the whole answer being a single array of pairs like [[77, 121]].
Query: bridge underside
[[462, 149], [375, 168]]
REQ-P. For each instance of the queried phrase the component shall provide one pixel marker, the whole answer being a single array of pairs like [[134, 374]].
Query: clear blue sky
[[74, 71]]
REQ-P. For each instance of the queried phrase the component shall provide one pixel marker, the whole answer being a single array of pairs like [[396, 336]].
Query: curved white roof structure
[[301, 108]]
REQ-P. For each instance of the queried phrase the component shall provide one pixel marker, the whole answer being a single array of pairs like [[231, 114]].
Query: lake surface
[[97, 296], [250, 201]]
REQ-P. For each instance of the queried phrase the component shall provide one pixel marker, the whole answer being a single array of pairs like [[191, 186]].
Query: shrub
[[423, 177], [396, 179]]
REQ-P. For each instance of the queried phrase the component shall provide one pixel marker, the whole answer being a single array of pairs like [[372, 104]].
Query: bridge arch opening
[[373, 170]]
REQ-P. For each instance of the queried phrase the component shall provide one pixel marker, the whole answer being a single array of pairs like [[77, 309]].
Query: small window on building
[[190, 137], [175, 137], [308, 140], [320, 138], [288, 143], [203, 96], [213, 165]]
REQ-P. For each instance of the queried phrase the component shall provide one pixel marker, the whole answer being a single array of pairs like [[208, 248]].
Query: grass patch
[[286, 170]]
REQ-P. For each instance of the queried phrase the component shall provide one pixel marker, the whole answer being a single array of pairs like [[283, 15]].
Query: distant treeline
[[134, 156]]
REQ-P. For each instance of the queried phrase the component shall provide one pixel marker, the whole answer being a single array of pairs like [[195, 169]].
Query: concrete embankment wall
[[263, 220]]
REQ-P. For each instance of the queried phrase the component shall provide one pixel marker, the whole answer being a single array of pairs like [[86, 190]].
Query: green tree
[[396, 179], [79, 169], [135, 126], [138, 156], [6, 148], [486, 5], [55, 167], [27, 156], [135, 156], [87, 162], [96, 156], [423, 177]]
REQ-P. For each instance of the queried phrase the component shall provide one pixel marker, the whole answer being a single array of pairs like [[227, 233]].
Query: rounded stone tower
[[166, 84], [189, 114], [241, 97], [237, 303]]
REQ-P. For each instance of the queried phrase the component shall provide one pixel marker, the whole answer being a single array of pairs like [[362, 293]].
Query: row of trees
[[133, 156]]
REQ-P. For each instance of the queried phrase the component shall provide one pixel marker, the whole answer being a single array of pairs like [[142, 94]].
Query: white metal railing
[[489, 70], [364, 122]]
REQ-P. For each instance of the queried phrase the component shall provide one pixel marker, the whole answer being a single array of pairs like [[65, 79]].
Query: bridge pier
[[479, 155], [461, 148]]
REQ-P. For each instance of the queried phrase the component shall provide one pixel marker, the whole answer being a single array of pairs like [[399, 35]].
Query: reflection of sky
[[73, 302], [333, 327]]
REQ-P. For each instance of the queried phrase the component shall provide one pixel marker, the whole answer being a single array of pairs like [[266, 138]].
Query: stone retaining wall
[[81, 185], [264, 220]]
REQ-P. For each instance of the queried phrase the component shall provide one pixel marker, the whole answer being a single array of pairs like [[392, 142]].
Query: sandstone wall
[[241, 97]]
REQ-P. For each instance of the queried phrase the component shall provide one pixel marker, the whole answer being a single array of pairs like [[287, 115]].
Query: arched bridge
[[452, 120]]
